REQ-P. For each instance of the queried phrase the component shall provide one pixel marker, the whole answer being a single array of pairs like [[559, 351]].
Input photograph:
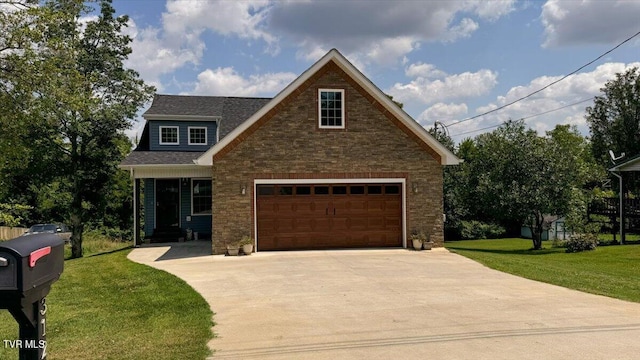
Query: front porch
[[171, 206]]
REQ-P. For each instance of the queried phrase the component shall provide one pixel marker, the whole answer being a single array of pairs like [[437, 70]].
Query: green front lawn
[[107, 307], [609, 270]]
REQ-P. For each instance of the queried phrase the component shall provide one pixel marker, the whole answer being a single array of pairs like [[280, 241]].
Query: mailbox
[[28, 267]]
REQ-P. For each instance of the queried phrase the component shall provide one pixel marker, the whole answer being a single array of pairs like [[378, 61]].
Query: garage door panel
[[336, 216]]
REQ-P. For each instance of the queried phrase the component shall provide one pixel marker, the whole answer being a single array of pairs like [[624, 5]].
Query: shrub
[[582, 242], [478, 230]]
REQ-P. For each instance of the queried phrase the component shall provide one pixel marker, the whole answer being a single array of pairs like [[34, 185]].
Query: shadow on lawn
[[543, 251], [67, 258]]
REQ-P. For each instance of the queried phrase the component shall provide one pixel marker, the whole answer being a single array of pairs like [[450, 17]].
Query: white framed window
[[169, 135], [197, 135], [331, 108], [201, 196]]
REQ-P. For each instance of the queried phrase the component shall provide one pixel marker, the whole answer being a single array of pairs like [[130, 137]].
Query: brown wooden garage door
[[295, 217]]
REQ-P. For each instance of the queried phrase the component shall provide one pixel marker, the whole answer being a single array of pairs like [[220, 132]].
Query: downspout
[[622, 240]]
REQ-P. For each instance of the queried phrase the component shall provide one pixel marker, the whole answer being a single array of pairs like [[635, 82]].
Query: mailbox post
[[28, 267]]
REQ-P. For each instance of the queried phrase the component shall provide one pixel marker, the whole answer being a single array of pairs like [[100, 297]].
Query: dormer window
[[331, 108], [169, 135], [197, 135]]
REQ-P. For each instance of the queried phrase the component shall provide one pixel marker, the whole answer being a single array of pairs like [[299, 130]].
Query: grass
[[97, 244], [609, 237], [107, 307], [609, 270]]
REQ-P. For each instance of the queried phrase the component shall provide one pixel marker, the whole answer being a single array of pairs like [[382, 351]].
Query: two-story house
[[329, 162], [177, 192]]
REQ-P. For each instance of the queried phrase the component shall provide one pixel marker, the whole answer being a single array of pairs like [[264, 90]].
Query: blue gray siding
[[149, 206], [200, 223], [183, 134]]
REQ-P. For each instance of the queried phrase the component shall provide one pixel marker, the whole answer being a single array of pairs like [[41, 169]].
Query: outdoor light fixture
[[414, 187], [243, 189]]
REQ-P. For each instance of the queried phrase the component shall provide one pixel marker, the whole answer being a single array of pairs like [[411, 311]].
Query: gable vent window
[[169, 135], [197, 135], [331, 108]]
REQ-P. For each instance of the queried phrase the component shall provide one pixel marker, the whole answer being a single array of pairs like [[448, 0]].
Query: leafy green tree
[[12, 214], [522, 177], [614, 118], [74, 92]]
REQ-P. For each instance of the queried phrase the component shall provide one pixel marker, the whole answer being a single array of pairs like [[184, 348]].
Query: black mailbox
[[28, 267]]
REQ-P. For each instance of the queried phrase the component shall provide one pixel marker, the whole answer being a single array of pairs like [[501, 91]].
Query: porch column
[[136, 213], [623, 231]]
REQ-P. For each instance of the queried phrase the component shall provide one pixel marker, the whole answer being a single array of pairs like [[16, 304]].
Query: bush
[[557, 243], [478, 230], [582, 242]]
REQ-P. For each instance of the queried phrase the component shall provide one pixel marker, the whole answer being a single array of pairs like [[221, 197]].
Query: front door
[[167, 203]]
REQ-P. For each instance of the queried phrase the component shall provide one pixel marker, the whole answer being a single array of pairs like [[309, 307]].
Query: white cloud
[[388, 51], [462, 30], [153, 57], [427, 71], [589, 22], [442, 112], [384, 31], [427, 90], [573, 89], [162, 50], [493, 10], [240, 18], [226, 81]]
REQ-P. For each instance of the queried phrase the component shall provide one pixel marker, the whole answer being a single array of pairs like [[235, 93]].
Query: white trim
[[195, 128], [402, 181], [160, 128], [191, 191], [446, 156], [342, 106], [168, 171], [135, 210], [155, 205]]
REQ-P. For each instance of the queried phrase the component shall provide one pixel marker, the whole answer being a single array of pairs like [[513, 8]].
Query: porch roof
[[160, 158]]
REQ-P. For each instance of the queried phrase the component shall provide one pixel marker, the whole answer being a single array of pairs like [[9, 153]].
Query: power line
[[526, 117], [548, 85]]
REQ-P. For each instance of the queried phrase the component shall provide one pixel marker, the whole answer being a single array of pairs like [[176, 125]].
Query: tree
[[521, 177], [614, 118], [80, 100]]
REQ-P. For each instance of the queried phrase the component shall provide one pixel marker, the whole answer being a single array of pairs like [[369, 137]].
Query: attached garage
[[329, 215], [330, 162]]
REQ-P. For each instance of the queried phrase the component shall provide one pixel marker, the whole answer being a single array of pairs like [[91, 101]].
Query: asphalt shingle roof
[[161, 157], [232, 111], [186, 105]]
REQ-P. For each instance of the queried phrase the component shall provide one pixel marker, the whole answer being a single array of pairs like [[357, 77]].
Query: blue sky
[[445, 60]]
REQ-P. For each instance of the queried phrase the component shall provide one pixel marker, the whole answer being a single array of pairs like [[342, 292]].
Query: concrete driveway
[[393, 304]]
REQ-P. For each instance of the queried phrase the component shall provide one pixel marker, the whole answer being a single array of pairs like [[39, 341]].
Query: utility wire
[[550, 84], [526, 117]]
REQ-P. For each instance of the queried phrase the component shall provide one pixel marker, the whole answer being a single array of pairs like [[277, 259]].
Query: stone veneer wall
[[287, 143]]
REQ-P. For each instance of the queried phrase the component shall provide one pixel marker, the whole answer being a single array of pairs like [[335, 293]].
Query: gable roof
[[420, 133], [171, 105], [229, 111]]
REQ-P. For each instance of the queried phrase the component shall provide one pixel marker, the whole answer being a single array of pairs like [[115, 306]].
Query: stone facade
[[288, 144]]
